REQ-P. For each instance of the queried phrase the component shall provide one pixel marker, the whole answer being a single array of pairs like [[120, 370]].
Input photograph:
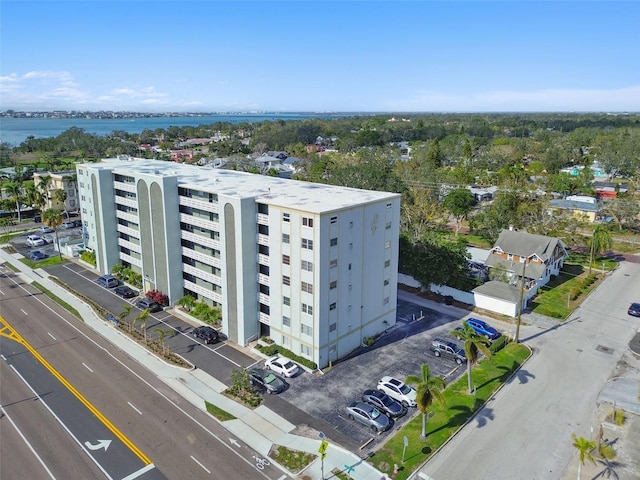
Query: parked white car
[[397, 390], [282, 365], [35, 241]]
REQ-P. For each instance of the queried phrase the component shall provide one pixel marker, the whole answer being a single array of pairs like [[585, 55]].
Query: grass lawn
[[555, 299], [217, 412], [459, 406], [47, 262]]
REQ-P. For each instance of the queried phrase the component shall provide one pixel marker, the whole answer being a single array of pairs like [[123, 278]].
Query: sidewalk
[[260, 428]]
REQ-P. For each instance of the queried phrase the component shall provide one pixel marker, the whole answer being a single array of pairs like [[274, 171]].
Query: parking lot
[[398, 353], [65, 235], [318, 399]]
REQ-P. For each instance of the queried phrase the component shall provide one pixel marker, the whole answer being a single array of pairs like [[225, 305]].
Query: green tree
[[52, 218], [599, 242], [460, 203], [187, 302], [474, 344], [623, 210], [124, 315], [14, 190], [35, 197], [584, 447], [60, 196], [162, 333], [142, 318], [428, 390], [43, 186]]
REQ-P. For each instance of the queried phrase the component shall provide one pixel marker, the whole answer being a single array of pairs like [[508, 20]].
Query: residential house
[[528, 262], [580, 206], [65, 181]]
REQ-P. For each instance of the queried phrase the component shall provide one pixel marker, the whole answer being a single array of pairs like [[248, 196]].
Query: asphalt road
[[182, 441], [525, 430]]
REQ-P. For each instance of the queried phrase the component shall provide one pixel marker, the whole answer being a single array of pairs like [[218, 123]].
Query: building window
[[332, 327], [286, 321], [308, 309], [388, 205], [286, 259], [333, 242], [332, 306], [286, 280], [307, 287], [286, 300], [386, 282], [307, 244], [333, 263], [387, 226], [349, 266], [307, 222], [306, 329], [333, 284], [307, 266], [386, 301], [285, 341], [387, 244], [305, 350], [334, 219], [286, 217], [285, 238], [387, 263]]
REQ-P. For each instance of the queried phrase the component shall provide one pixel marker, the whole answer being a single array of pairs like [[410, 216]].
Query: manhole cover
[[602, 348]]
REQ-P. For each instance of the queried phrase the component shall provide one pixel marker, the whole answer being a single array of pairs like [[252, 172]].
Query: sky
[[320, 56]]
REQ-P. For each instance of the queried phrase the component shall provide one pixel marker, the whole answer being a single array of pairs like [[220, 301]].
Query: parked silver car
[[448, 349], [369, 416]]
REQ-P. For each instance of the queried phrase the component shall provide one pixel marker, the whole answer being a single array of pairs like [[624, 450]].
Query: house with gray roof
[[526, 262]]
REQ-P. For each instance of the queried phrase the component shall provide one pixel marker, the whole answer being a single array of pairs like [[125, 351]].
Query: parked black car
[[266, 380], [125, 292], [206, 334], [384, 403], [146, 303], [634, 310]]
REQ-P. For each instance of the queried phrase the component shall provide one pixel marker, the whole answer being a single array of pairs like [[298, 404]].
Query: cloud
[[617, 99]]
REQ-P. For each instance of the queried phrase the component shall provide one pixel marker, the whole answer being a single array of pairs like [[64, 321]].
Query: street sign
[[323, 447]]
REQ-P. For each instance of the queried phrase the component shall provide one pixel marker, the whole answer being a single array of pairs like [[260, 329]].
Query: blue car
[[483, 328], [37, 255], [634, 310]]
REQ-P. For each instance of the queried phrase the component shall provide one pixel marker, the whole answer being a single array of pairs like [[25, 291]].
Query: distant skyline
[[320, 56]]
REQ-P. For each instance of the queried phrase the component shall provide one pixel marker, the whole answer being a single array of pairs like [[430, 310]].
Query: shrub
[[89, 257], [158, 297], [498, 344], [272, 350]]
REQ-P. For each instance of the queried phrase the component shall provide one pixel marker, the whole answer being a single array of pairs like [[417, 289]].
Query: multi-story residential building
[[59, 181], [312, 266]]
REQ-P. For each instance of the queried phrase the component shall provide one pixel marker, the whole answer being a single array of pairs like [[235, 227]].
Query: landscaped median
[[459, 406]]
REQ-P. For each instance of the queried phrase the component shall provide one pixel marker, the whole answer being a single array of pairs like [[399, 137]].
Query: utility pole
[[524, 270]]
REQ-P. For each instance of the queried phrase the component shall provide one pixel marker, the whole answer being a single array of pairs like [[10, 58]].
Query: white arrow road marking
[[233, 441], [101, 444]]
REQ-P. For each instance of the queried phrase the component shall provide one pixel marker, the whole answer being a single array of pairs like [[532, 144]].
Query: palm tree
[[52, 218], [474, 344], [142, 318], [43, 186], [428, 390], [34, 196], [124, 315], [584, 448], [187, 302], [161, 334], [61, 197], [14, 190], [599, 242]]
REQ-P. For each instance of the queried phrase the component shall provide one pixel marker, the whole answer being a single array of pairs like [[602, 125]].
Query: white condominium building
[[312, 266]]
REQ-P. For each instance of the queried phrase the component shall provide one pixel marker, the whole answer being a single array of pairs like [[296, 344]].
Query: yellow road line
[[14, 335]]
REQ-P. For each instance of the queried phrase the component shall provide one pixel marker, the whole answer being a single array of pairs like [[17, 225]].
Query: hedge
[[279, 349]]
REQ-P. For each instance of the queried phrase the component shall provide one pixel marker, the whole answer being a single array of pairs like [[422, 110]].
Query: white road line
[[40, 399], [201, 465], [24, 439], [133, 406], [51, 336], [3, 357], [2, 292], [140, 472], [87, 367], [139, 377], [22, 310]]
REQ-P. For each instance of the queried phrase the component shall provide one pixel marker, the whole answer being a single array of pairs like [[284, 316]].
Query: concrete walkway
[[259, 428]]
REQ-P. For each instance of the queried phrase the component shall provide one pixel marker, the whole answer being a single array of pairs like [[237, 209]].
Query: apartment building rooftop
[[294, 194]]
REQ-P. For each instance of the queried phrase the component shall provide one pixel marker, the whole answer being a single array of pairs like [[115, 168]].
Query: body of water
[[14, 131]]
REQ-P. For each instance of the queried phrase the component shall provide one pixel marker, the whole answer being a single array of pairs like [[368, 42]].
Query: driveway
[[525, 430]]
